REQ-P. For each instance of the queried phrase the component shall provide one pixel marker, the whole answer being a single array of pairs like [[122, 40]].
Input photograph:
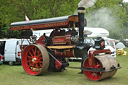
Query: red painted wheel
[[93, 75], [35, 59]]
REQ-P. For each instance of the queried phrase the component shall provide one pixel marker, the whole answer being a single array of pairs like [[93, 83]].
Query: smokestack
[[81, 11]]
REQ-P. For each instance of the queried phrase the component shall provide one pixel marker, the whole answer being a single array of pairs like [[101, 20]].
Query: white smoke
[[102, 18], [86, 3]]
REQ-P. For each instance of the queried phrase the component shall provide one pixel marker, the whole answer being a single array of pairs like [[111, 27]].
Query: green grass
[[15, 75]]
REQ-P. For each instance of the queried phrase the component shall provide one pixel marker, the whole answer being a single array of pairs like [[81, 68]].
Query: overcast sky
[[125, 0]]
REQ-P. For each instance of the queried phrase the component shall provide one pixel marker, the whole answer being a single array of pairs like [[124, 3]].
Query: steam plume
[[86, 3], [104, 18]]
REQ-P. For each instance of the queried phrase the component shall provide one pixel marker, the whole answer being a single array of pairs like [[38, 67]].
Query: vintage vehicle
[[49, 52]]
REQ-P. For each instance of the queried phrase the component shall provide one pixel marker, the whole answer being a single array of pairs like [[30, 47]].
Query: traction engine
[[49, 52]]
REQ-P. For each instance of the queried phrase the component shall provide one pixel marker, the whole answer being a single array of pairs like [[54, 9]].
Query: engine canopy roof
[[50, 23]]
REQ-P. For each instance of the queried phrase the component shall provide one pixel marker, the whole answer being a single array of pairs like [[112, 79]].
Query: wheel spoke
[[37, 67], [30, 53], [33, 67], [29, 61], [29, 57], [31, 64], [33, 52], [38, 52], [39, 55], [40, 58], [40, 65], [40, 61]]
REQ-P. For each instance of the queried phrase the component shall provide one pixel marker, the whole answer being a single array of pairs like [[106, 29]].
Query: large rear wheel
[[35, 59]]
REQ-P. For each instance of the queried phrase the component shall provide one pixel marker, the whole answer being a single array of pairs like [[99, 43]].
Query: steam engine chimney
[[81, 11]]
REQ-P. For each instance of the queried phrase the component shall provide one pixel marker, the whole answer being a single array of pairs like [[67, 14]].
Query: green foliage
[[15, 10], [36, 9]]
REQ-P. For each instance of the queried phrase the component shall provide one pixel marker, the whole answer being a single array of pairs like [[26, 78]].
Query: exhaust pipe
[[81, 11]]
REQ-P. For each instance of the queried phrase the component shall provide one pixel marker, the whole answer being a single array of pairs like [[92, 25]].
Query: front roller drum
[[35, 59], [101, 61]]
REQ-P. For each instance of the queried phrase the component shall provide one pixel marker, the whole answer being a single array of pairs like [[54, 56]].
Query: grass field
[[15, 75]]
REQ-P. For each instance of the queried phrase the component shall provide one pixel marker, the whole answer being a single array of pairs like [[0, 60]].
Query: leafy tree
[[15, 10]]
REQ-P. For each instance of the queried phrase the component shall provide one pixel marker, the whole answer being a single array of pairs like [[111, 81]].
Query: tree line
[[15, 10]]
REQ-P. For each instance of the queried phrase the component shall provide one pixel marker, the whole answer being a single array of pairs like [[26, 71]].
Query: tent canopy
[[120, 45]]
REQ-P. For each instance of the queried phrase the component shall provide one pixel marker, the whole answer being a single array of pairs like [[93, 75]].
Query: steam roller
[[48, 52]]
